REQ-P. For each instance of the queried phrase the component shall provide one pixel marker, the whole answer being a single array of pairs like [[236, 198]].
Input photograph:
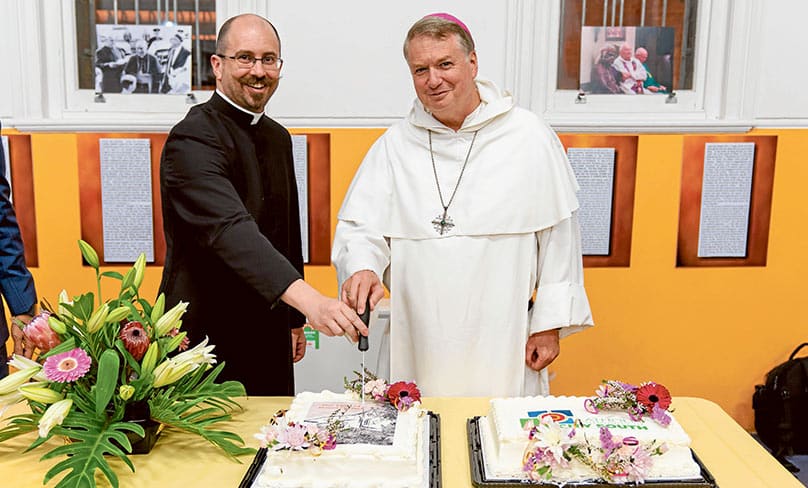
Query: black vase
[[139, 413]]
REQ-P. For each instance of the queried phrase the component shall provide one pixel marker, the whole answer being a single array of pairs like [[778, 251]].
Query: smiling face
[[443, 76], [248, 88]]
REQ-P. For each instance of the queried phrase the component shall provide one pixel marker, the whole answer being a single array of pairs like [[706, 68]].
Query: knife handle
[[363, 340]]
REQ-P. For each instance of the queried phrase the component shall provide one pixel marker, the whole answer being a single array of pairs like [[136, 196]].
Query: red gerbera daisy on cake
[[403, 394], [651, 395]]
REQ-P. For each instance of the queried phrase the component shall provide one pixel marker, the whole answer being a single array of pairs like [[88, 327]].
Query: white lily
[[173, 369], [9, 400], [22, 363], [199, 354], [169, 320], [54, 415], [64, 299], [39, 393], [15, 380]]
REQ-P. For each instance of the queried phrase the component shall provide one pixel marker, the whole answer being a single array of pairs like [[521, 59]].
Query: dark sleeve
[[195, 177], [16, 281], [131, 65]]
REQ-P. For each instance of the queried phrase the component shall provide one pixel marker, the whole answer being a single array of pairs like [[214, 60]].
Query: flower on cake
[[101, 365], [280, 434], [649, 398], [547, 449], [614, 459], [401, 394]]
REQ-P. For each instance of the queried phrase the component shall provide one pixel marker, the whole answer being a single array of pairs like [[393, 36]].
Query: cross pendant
[[443, 223]]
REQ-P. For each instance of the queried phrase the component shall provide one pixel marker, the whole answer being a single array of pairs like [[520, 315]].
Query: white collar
[[255, 117]]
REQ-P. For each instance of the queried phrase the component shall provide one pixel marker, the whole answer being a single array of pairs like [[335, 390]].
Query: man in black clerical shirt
[[232, 228]]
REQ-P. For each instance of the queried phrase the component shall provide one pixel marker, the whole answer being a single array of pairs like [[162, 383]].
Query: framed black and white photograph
[[143, 59]]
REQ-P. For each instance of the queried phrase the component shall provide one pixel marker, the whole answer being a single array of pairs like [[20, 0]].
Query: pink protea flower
[[135, 338], [67, 366], [40, 334]]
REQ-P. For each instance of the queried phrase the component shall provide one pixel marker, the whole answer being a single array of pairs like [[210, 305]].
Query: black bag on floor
[[781, 407]]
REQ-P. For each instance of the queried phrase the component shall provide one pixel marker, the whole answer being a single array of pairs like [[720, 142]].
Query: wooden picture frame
[[759, 205], [625, 176]]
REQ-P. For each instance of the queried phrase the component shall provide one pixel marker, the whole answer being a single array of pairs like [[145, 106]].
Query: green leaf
[[65, 346], [130, 360], [91, 439], [82, 307], [19, 425], [113, 274], [108, 367]]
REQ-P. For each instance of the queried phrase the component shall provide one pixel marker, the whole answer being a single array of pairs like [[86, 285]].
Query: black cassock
[[232, 228]]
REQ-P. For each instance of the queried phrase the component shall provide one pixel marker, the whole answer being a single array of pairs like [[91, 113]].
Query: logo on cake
[[566, 418], [562, 417]]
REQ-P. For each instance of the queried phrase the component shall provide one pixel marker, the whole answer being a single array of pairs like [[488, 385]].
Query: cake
[[376, 445], [573, 430]]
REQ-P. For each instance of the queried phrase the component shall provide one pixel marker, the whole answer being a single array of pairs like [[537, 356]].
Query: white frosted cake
[[505, 439], [378, 446]]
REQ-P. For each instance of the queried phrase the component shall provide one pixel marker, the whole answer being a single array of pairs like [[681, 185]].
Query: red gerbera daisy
[[402, 394], [652, 394], [135, 339]]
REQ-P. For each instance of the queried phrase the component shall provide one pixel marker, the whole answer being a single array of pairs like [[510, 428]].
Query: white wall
[[344, 67]]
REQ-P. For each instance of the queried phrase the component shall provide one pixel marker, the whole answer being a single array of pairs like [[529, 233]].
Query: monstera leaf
[[91, 438]]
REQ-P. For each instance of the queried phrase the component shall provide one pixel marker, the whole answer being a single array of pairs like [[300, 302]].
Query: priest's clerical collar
[[255, 117]]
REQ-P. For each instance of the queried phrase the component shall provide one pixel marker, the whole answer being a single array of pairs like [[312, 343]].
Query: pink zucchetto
[[450, 18]]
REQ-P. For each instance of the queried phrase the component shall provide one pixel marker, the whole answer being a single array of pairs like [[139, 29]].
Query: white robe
[[633, 85], [459, 301]]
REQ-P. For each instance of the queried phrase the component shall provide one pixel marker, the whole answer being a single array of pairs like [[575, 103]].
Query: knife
[[363, 340]]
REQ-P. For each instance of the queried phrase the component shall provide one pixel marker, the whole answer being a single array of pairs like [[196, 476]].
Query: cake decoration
[[280, 434], [649, 398], [401, 394], [615, 459]]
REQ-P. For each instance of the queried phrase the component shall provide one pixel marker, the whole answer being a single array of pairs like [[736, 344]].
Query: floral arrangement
[[649, 398], [106, 367], [614, 459], [401, 394], [279, 434]]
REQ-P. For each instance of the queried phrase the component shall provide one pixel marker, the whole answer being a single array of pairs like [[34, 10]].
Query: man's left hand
[[541, 349], [298, 344], [22, 346]]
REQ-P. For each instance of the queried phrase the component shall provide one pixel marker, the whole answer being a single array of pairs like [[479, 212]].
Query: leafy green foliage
[[120, 378], [91, 438]]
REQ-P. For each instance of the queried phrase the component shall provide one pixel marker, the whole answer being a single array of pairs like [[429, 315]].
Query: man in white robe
[[632, 71], [466, 208]]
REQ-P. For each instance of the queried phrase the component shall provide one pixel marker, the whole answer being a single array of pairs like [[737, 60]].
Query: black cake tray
[[479, 479], [434, 457]]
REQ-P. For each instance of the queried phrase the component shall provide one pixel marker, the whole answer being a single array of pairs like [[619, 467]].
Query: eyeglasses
[[270, 62]]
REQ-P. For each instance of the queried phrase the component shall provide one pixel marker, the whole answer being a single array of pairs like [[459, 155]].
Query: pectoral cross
[[443, 223]]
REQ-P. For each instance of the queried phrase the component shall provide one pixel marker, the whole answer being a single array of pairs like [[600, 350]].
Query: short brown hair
[[439, 28]]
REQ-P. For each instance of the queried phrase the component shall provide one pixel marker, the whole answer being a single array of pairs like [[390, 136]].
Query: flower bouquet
[[107, 368]]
